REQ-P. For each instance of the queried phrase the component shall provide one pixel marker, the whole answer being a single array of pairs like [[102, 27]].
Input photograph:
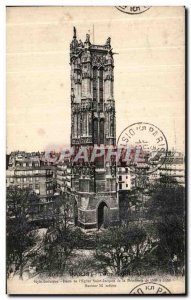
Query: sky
[[149, 84]]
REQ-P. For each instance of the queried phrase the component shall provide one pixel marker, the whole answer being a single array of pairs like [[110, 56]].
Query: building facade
[[26, 170], [173, 169], [125, 179], [63, 177], [93, 124]]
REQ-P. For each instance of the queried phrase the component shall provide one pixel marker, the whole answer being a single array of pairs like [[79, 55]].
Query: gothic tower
[[92, 124]]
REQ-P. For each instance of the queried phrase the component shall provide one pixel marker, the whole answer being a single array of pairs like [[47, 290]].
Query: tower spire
[[93, 33], [74, 36]]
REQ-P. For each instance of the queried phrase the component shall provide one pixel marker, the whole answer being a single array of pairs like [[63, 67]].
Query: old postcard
[[95, 172]]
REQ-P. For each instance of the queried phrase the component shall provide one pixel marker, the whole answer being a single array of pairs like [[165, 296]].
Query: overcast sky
[[149, 70]]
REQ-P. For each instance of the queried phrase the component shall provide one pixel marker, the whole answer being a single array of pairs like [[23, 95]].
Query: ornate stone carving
[[86, 140], [75, 141], [98, 60]]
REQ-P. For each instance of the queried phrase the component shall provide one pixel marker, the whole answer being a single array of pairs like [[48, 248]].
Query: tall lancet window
[[101, 131], [75, 125], [112, 126], [84, 124], [90, 124], [101, 88], [94, 86], [79, 128], [95, 131]]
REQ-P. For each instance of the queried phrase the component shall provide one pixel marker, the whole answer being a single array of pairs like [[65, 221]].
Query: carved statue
[[87, 38], [80, 44], [108, 42]]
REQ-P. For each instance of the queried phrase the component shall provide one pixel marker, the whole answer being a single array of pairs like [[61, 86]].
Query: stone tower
[[92, 125]]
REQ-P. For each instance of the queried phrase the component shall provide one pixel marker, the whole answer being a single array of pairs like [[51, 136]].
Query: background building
[[27, 170], [63, 177], [125, 179], [173, 169]]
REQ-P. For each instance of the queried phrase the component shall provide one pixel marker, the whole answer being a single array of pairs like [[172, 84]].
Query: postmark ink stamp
[[133, 10], [149, 289], [147, 146]]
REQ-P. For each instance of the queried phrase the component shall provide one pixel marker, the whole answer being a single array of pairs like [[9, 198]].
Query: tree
[[20, 237], [62, 238], [60, 244], [121, 249], [166, 210], [63, 210]]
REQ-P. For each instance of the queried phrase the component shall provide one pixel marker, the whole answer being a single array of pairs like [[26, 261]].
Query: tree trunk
[[118, 265], [21, 266]]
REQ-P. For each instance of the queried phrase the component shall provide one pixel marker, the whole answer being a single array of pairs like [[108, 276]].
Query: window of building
[[24, 179], [95, 131], [84, 185], [102, 131], [120, 186], [95, 84], [75, 125], [112, 126], [84, 124], [101, 88], [36, 186], [120, 178], [90, 124], [126, 185]]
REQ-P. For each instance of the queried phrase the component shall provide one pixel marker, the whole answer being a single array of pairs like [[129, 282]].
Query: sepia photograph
[[95, 150]]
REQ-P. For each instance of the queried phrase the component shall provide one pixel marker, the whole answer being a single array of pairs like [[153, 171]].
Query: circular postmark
[[133, 10], [145, 147], [149, 289]]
